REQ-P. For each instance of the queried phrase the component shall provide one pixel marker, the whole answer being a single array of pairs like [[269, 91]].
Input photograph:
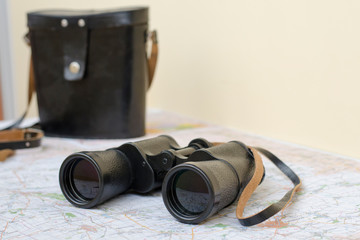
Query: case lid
[[87, 18]]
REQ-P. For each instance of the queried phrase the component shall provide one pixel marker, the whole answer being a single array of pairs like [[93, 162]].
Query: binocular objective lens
[[85, 179], [191, 192]]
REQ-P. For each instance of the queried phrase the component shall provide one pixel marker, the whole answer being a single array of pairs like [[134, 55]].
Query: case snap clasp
[[74, 67]]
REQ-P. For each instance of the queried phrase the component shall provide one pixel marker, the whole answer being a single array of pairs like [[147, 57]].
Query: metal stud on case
[[81, 22], [74, 67], [64, 23]]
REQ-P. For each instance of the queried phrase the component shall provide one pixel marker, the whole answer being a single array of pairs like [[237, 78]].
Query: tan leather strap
[[5, 153], [13, 138], [255, 181], [31, 89], [252, 185], [18, 139], [153, 56]]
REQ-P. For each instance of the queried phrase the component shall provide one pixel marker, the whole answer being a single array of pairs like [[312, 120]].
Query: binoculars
[[197, 180]]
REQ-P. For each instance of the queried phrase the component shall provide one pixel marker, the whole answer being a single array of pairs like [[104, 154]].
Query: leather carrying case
[[91, 71]]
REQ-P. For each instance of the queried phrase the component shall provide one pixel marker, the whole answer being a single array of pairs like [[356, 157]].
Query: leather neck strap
[[255, 181]]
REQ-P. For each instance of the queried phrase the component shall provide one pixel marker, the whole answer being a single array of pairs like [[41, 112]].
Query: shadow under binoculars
[[197, 181]]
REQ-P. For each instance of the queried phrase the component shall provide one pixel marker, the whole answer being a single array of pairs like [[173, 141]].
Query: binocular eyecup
[[90, 178], [211, 180], [193, 191]]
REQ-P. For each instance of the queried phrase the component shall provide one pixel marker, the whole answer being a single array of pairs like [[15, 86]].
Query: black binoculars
[[197, 181]]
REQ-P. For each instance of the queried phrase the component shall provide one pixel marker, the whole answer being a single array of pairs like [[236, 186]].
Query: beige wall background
[[288, 70]]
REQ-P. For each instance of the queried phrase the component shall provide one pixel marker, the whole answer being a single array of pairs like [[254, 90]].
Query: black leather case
[[90, 71]]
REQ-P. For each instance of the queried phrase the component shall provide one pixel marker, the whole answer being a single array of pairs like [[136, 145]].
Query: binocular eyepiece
[[197, 181]]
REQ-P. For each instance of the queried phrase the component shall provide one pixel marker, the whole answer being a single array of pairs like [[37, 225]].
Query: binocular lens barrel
[[194, 191], [90, 178]]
